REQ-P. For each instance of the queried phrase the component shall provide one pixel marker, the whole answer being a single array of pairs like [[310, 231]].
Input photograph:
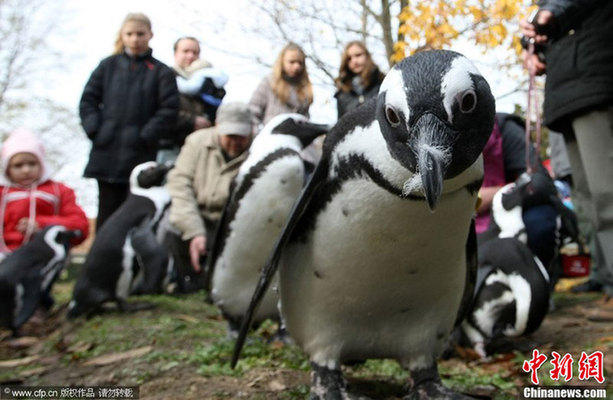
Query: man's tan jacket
[[199, 184]]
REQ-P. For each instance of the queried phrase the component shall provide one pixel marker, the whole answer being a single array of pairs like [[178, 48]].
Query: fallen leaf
[[606, 339], [32, 372], [17, 362], [467, 353], [254, 382], [80, 347], [276, 386], [187, 318], [115, 357], [277, 344], [23, 342]]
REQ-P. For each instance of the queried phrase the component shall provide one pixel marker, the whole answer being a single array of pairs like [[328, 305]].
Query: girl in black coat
[[358, 79], [130, 100]]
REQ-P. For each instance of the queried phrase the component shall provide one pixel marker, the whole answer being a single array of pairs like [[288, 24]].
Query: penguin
[[125, 256], [512, 290], [263, 192], [378, 256], [28, 274]]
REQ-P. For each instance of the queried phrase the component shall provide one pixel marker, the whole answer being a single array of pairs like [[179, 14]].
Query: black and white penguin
[[378, 257], [28, 274], [126, 256], [513, 291], [263, 192]]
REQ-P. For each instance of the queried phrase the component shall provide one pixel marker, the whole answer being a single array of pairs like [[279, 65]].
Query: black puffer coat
[[579, 59], [346, 101], [127, 105]]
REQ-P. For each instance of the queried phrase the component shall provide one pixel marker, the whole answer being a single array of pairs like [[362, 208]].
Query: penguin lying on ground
[[267, 185], [513, 288], [512, 291], [378, 257], [28, 274], [126, 257]]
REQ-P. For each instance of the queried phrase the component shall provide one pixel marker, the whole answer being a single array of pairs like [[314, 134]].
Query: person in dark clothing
[[573, 38], [504, 159], [129, 102], [358, 78]]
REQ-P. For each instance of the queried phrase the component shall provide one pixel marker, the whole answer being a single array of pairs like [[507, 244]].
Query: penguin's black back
[[224, 229], [104, 261]]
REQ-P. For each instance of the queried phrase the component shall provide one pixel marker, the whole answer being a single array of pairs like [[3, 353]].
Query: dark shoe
[[586, 287]]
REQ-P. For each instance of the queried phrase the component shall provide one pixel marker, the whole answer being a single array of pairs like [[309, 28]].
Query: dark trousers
[[110, 197], [187, 279], [542, 232]]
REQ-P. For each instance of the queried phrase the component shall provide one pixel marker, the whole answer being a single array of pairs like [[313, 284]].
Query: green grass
[[185, 332]]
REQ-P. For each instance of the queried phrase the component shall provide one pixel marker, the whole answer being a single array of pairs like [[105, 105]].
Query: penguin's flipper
[[215, 249], [472, 266], [270, 268], [31, 284], [570, 224], [152, 257]]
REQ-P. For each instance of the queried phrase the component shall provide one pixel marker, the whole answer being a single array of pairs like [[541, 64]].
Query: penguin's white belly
[[260, 217], [379, 276]]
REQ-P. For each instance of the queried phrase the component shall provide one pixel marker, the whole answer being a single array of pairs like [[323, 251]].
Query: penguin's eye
[[392, 116], [468, 102]]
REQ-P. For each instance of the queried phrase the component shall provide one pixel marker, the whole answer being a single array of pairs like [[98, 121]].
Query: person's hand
[[529, 28], [201, 123], [24, 225], [197, 248], [533, 63], [486, 194]]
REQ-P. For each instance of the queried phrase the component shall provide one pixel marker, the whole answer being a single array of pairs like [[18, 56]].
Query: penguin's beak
[[435, 141], [311, 131]]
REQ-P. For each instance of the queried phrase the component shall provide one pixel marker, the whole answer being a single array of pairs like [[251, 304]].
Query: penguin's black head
[[57, 235], [298, 126], [530, 189], [149, 174], [436, 113]]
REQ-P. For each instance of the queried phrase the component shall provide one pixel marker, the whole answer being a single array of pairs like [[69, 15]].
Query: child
[[129, 102], [358, 78], [29, 200], [287, 90]]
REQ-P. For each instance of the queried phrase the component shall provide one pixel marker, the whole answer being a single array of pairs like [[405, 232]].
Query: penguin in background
[[263, 192], [514, 287], [28, 274], [512, 291], [378, 257], [126, 257]]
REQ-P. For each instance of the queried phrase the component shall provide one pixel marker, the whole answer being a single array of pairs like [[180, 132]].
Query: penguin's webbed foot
[[427, 385], [327, 384]]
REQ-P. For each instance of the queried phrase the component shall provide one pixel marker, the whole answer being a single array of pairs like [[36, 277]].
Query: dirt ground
[[53, 354]]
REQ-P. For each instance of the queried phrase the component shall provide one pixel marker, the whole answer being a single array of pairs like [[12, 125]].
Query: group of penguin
[[374, 256]]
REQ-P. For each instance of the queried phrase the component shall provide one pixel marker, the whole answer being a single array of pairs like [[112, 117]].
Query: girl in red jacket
[[29, 200]]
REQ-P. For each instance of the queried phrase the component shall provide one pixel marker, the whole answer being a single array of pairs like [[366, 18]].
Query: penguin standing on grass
[[267, 185], [378, 257], [126, 257], [27, 274]]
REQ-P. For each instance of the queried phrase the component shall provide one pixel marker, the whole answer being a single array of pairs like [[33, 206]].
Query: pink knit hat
[[22, 140]]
